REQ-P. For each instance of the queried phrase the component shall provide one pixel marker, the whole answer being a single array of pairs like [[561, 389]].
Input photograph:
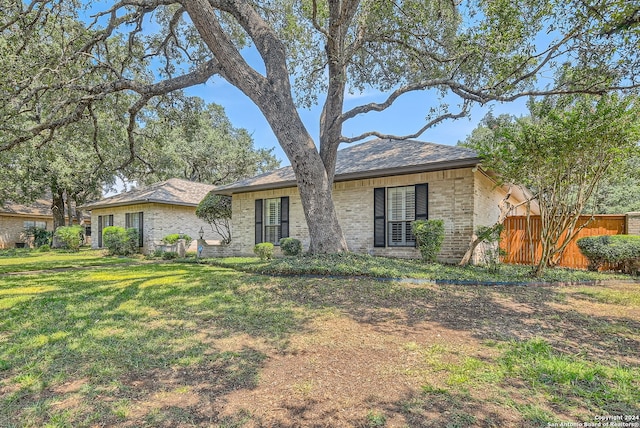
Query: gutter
[[98, 205], [436, 166]]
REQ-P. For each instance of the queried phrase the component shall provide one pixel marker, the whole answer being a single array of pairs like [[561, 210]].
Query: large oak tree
[[311, 51]]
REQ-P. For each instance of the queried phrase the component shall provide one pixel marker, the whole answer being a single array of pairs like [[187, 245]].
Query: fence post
[[633, 223]]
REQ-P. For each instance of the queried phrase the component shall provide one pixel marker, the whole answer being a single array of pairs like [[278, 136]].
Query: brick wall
[[452, 198], [159, 220], [11, 228]]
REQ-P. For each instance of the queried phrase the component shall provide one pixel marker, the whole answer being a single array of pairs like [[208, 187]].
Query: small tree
[[70, 237], [562, 152], [216, 210]]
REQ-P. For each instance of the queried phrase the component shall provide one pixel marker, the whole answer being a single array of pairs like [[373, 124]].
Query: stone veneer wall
[[452, 196], [11, 228], [159, 220]]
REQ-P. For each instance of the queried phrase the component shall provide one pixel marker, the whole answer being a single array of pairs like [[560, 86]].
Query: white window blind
[[401, 212], [272, 220]]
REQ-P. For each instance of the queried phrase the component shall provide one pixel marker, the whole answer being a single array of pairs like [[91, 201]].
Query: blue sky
[[405, 117]]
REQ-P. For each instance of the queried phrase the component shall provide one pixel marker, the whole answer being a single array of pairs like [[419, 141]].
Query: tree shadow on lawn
[[140, 344], [501, 315], [146, 346]]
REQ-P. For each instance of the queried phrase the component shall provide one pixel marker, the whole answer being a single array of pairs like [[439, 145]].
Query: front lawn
[[167, 345], [30, 260]]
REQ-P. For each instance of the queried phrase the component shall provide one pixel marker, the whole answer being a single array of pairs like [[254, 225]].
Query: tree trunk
[[272, 94], [57, 209], [314, 184], [505, 208]]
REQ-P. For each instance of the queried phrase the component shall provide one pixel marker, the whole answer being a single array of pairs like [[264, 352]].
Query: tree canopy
[[311, 51], [188, 139]]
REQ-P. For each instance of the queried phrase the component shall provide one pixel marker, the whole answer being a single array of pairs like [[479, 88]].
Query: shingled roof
[[376, 158], [38, 208], [173, 191]]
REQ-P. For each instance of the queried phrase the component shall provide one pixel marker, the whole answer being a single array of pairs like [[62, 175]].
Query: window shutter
[[379, 227], [422, 201], [258, 221], [127, 221], [111, 220], [284, 217], [140, 229], [99, 231]]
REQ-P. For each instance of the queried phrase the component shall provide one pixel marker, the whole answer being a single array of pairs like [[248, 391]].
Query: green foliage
[[264, 250], [351, 264], [173, 239], [291, 246], [620, 193], [562, 152], [429, 236], [615, 249], [40, 236], [189, 139], [169, 255], [120, 241], [70, 237], [44, 248], [216, 210]]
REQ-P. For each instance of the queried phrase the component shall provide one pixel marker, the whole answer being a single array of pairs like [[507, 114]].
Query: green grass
[[349, 264], [616, 297], [572, 380], [26, 260], [107, 346]]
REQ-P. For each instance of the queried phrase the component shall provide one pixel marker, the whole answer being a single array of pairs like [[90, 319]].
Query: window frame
[[408, 216]]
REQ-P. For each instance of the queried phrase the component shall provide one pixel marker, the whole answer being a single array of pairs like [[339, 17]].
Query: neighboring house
[[380, 187], [156, 211], [16, 218]]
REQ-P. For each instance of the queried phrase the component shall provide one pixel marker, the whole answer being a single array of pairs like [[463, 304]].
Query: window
[[27, 224], [272, 220], [395, 208], [135, 221], [401, 211]]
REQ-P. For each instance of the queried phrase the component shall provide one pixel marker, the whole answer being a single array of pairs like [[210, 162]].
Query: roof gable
[[173, 192], [374, 158]]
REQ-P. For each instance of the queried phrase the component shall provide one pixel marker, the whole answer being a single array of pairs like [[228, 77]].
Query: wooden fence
[[515, 239]]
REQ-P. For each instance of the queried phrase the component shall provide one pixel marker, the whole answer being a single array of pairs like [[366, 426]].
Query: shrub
[[174, 237], [44, 248], [264, 250], [291, 246], [70, 237], [623, 250], [120, 241], [40, 236], [169, 255], [429, 236]]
